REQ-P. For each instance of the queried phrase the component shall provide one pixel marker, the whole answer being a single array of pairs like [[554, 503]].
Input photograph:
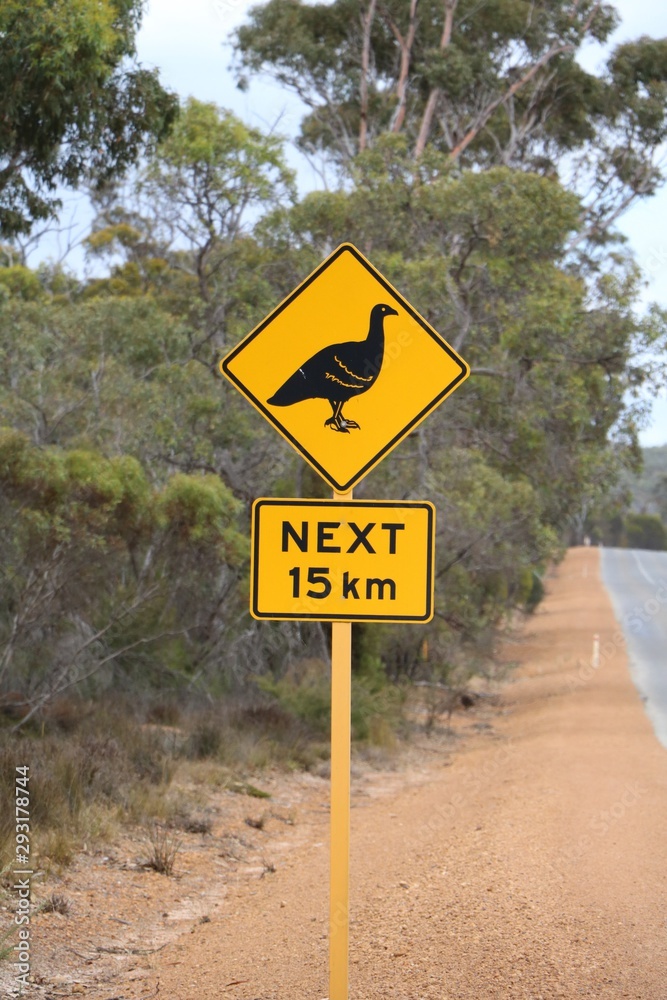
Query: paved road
[[637, 583]]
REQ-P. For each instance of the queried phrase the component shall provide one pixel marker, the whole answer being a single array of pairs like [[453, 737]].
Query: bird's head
[[381, 310]]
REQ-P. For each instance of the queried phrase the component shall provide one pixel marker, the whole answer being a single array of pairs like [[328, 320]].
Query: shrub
[[163, 849], [305, 693], [645, 531], [90, 769]]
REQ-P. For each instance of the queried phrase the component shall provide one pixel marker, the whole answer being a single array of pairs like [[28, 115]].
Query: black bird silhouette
[[339, 372]]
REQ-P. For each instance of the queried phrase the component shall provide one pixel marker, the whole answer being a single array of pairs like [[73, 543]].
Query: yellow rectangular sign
[[364, 560]]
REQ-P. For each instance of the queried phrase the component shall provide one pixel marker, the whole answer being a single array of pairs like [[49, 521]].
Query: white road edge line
[[643, 571]]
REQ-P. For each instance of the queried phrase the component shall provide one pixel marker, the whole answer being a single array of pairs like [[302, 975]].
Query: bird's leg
[[345, 421], [338, 422], [335, 422]]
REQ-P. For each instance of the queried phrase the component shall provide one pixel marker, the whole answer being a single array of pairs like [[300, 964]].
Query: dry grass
[[257, 823], [245, 788], [94, 769], [56, 903], [81, 781], [193, 824], [164, 847], [6, 943]]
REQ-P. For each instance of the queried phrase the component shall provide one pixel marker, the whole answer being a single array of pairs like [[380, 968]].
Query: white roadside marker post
[[595, 659]]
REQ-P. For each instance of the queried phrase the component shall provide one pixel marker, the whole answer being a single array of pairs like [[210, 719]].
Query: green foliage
[[641, 490], [645, 531], [305, 693], [479, 85], [20, 282], [182, 239], [198, 508], [316, 51], [648, 485], [75, 494], [99, 563], [215, 163], [72, 105]]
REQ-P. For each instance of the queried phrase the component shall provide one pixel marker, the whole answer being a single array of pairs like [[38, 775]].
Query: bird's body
[[339, 372]]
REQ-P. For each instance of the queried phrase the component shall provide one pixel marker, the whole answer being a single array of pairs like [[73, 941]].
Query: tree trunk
[[434, 96], [367, 25], [406, 54]]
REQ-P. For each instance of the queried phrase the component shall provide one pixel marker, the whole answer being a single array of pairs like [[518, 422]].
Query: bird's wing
[[337, 368], [343, 368]]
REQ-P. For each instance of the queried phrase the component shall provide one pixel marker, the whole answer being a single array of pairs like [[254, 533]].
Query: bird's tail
[[277, 399], [294, 390], [283, 397]]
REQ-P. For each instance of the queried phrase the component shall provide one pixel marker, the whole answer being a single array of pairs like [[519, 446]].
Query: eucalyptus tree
[[486, 84], [74, 102]]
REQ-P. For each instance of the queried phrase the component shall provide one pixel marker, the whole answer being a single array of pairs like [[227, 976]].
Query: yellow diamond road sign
[[344, 368], [356, 560]]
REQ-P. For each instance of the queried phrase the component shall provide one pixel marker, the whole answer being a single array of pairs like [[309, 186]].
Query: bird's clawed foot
[[336, 424], [341, 424]]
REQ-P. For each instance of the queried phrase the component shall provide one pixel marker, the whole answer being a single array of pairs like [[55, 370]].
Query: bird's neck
[[375, 340]]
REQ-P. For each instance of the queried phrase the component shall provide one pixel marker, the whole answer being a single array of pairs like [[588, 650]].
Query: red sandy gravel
[[529, 863]]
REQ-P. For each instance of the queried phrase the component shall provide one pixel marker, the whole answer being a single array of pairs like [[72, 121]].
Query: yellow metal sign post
[[339, 895], [339, 864], [344, 369]]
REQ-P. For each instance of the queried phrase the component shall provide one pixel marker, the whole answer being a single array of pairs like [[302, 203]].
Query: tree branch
[[434, 96], [405, 45], [557, 48], [367, 25], [483, 118]]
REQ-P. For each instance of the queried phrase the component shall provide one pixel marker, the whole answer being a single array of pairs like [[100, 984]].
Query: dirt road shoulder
[[533, 867]]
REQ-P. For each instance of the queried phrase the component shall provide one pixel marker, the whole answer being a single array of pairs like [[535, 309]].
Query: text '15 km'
[[355, 561]]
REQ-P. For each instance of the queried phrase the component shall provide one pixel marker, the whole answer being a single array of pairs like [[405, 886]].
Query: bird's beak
[[391, 312]]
